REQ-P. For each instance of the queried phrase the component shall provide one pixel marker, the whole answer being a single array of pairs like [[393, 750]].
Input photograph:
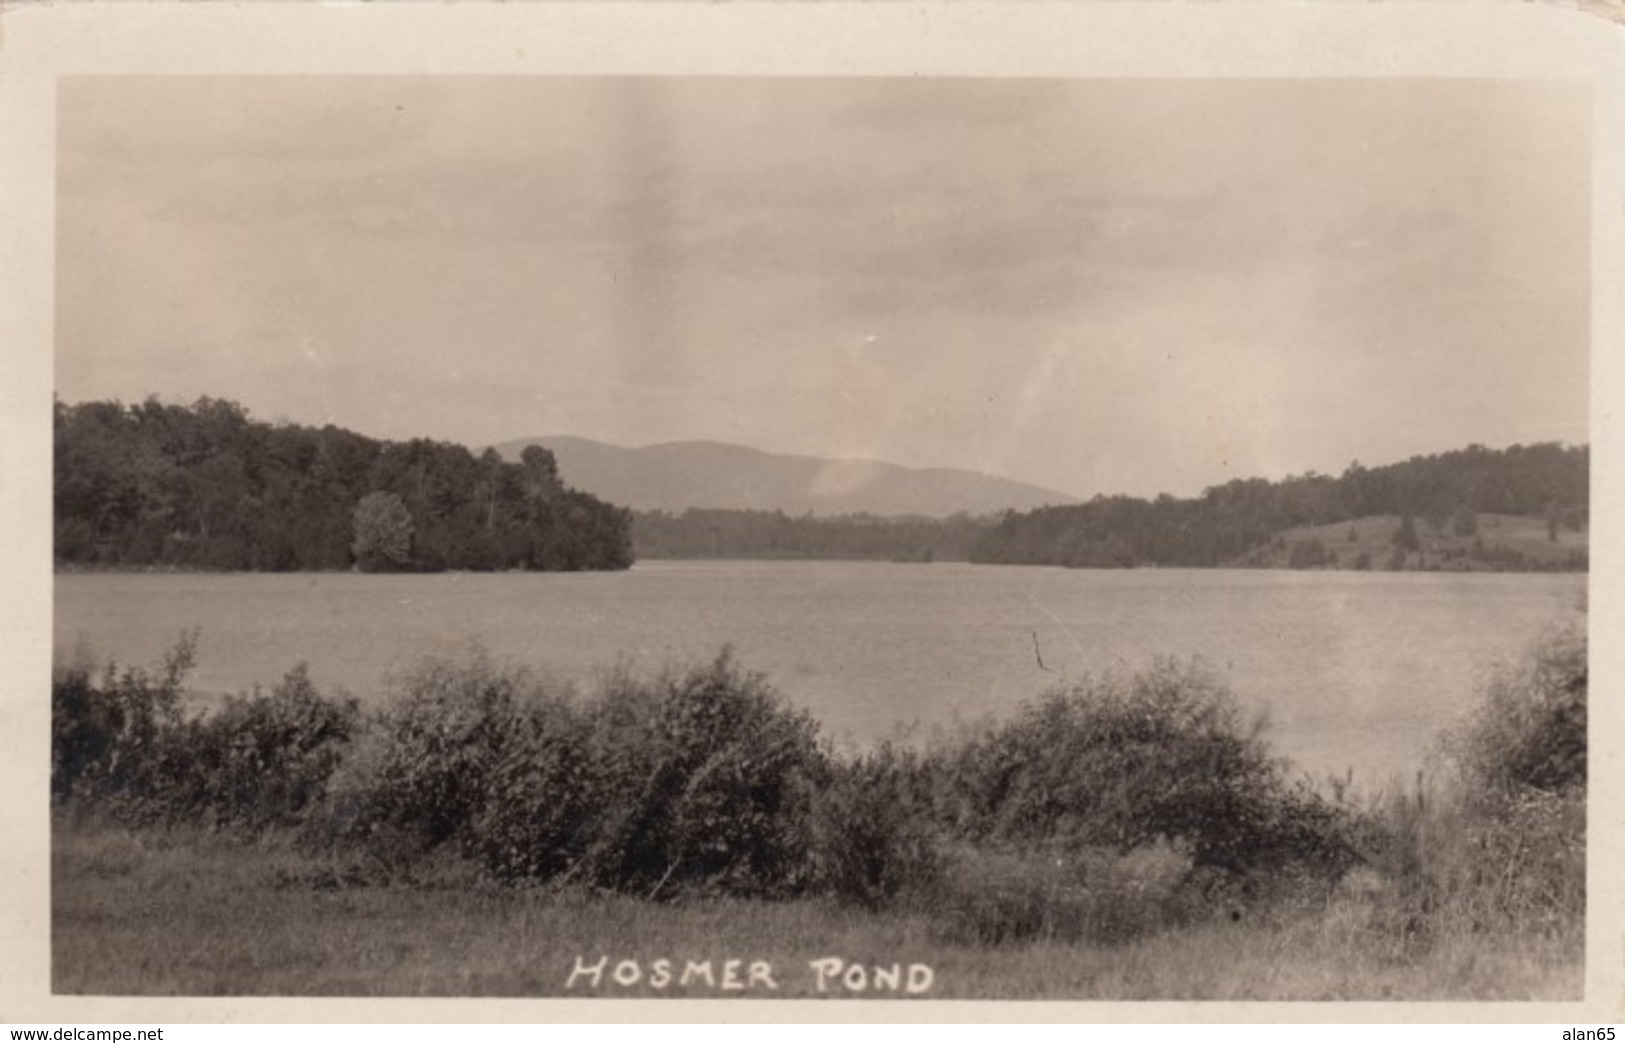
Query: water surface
[[1355, 670]]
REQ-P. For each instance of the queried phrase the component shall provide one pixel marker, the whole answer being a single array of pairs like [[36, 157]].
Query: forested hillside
[[203, 486], [1246, 521]]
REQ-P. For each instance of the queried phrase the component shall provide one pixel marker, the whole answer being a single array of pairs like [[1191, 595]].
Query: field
[[1495, 542], [186, 914]]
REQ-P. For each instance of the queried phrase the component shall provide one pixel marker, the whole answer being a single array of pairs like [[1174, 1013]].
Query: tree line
[[204, 486], [715, 533], [1227, 522]]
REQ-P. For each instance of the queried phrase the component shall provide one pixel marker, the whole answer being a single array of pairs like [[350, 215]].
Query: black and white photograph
[[759, 533]]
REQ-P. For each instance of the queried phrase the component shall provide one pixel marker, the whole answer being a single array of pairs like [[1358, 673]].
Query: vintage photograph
[[909, 537]]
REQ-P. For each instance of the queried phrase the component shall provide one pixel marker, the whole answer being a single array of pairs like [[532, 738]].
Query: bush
[[125, 747], [707, 780], [1502, 846], [694, 781], [539, 812], [873, 836], [1522, 762], [1308, 554], [113, 744], [1163, 756], [1529, 731], [422, 773], [262, 760]]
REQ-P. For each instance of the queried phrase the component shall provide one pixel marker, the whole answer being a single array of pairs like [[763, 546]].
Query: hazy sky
[[1097, 286]]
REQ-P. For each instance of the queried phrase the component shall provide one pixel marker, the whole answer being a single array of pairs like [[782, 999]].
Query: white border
[[40, 43]]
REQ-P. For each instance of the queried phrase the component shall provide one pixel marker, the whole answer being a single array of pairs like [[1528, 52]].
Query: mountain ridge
[[704, 473]]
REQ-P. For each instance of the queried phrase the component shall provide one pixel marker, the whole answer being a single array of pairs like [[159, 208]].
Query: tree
[[1307, 554], [541, 470], [383, 532], [1404, 537]]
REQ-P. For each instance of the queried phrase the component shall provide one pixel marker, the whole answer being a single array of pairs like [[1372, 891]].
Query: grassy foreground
[[183, 913], [486, 832]]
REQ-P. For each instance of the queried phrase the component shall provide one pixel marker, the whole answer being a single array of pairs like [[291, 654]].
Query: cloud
[[1093, 278]]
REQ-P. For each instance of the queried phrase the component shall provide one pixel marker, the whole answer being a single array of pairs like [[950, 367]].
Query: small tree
[[383, 532], [1464, 522], [1405, 536], [1307, 554]]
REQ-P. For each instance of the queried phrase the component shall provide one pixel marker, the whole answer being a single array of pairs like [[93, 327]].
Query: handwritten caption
[[828, 974]]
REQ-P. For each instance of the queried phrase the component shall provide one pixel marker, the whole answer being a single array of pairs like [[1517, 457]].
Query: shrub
[[126, 748], [707, 778], [422, 772], [113, 744], [1119, 763], [1502, 846], [1307, 554], [1522, 762], [1528, 732], [261, 760], [542, 800], [873, 836], [694, 781]]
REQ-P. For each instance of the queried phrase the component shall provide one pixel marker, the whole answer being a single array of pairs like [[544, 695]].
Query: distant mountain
[[675, 476]]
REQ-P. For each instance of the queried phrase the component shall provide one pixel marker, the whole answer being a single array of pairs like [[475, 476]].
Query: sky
[[1098, 286]]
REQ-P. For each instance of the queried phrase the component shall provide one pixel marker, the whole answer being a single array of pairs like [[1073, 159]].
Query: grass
[[182, 912], [1373, 537]]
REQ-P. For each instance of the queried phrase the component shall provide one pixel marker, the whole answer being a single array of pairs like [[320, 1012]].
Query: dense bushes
[[1123, 763], [1523, 757], [697, 781], [422, 771], [263, 759], [1528, 733], [694, 781], [710, 779], [127, 747], [113, 743], [1518, 855], [1498, 842], [705, 782], [876, 839], [1109, 807]]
